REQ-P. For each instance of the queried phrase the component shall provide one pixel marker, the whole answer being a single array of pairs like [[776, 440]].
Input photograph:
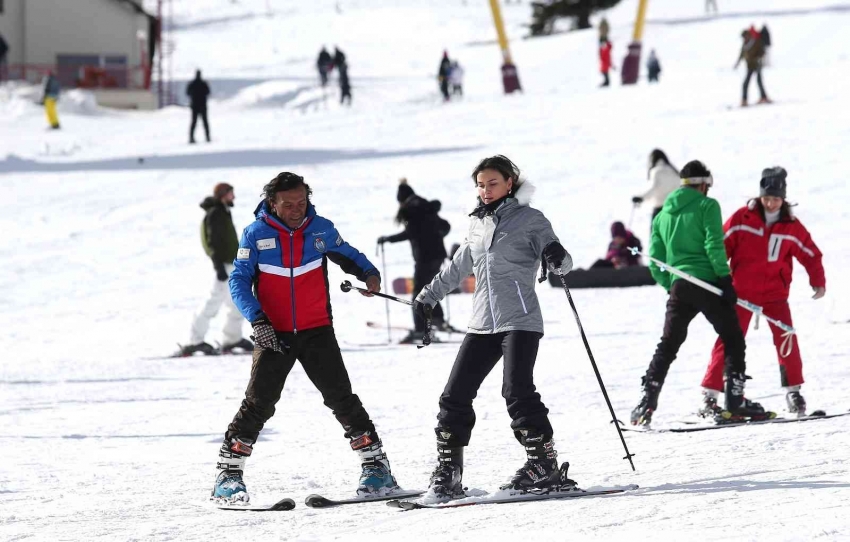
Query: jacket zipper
[[292, 278], [521, 300]]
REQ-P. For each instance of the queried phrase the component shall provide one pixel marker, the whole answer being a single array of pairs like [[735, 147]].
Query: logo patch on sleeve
[[339, 240], [266, 244], [243, 254]]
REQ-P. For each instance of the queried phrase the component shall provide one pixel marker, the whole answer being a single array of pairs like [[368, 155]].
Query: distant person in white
[[456, 78], [218, 236], [664, 178], [710, 5]]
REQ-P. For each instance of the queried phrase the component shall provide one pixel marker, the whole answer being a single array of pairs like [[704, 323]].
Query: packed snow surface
[[103, 269]]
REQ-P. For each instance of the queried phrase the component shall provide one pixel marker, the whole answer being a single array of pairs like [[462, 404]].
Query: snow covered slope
[[102, 270]]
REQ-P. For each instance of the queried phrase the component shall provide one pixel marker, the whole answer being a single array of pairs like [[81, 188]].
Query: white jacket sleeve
[[664, 181]]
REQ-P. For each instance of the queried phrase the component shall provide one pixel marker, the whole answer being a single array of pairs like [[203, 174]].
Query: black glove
[[422, 310], [220, 273], [637, 200], [264, 335], [555, 254], [382, 239], [728, 295]]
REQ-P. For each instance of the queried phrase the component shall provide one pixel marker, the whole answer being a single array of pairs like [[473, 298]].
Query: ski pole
[[346, 286], [387, 301], [787, 343], [629, 455]]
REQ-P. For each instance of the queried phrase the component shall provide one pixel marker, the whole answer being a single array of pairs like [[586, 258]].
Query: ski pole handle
[[346, 286]]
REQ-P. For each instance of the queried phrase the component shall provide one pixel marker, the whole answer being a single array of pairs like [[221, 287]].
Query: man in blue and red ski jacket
[[280, 284]]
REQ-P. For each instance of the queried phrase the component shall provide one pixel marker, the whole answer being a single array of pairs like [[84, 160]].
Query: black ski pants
[[685, 302], [476, 358], [750, 73], [195, 114], [423, 274], [319, 354]]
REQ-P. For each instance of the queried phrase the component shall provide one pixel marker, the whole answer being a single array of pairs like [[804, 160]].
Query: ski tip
[[316, 501], [283, 505]]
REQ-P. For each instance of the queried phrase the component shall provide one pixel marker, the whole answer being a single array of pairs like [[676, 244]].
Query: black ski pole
[[346, 286], [596, 370]]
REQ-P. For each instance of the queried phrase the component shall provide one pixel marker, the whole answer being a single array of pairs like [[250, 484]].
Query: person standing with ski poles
[[425, 230], [280, 285], [688, 235], [505, 244], [762, 238]]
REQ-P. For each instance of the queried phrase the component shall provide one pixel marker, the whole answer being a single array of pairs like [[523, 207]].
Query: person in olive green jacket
[[218, 237], [688, 234]]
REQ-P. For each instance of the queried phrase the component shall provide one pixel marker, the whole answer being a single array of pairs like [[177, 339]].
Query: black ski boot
[[242, 344], [446, 480], [796, 403], [739, 408], [642, 414], [190, 349], [540, 470]]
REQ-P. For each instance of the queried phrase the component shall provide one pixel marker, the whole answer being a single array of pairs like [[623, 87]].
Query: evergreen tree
[[544, 14]]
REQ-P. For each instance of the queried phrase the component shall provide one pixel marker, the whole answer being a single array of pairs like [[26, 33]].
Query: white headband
[[699, 180]]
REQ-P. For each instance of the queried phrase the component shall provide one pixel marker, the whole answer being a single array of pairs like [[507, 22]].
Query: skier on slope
[[503, 249], [218, 236], [761, 240], [605, 63], [425, 231], [283, 258], [688, 234], [752, 52], [324, 64], [664, 178], [443, 75]]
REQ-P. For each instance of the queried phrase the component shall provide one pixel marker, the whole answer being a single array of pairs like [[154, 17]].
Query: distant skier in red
[[605, 60], [761, 239]]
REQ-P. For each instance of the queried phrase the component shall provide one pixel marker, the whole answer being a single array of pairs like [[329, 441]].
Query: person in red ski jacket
[[761, 240], [605, 60]]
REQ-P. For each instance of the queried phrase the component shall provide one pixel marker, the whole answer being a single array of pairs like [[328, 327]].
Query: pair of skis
[[406, 500], [694, 426], [316, 501]]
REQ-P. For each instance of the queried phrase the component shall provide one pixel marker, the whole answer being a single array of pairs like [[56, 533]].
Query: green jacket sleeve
[[216, 224], [658, 250], [714, 245]]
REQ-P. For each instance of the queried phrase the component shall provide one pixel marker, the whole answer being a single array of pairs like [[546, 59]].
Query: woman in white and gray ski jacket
[[664, 178], [505, 244]]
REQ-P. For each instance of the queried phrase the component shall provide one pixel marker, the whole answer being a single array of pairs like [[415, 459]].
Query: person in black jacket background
[[198, 91], [425, 230], [218, 236]]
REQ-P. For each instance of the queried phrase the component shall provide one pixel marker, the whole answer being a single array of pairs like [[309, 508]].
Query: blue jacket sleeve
[[242, 278], [351, 260]]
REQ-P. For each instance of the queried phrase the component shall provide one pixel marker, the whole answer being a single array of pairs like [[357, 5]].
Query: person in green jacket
[[218, 237], [688, 234]]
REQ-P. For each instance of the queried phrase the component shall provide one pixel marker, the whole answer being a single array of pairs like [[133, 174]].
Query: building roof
[[137, 7]]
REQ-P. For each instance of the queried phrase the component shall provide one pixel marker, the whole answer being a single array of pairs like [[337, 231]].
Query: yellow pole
[[500, 30], [641, 17]]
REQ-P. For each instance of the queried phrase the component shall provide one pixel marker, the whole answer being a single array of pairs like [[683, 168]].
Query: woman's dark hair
[[503, 165], [284, 182], [785, 212], [500, 163], [654, 157]]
